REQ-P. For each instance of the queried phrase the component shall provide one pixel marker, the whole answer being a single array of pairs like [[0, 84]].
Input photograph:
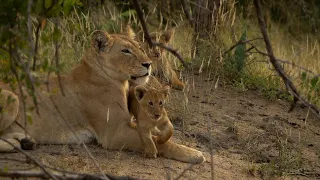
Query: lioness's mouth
[[136, 77]]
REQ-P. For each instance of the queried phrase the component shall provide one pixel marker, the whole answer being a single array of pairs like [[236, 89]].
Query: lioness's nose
[[147, 65]]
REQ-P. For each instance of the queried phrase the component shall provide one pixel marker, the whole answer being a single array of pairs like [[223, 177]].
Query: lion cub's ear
[[99, 40], [139, 92], [165, 90], [130, 33]]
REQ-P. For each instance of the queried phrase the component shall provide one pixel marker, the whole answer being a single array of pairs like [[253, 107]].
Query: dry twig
[[59, 175], [148, 38], [45, 171]]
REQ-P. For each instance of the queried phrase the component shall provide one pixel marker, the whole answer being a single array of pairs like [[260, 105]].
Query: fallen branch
[[59, 175], [289, 85], [45, 171], [148, 38]]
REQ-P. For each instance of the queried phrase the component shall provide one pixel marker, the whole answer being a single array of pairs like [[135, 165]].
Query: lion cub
[[146, 106]]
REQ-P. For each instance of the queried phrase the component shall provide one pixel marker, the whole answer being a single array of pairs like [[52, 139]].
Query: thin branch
[[48, 173], [79, 140], [186, 8], [184, 171], [148, 38], [238, 43], [59, 175], [56, 57], [36, 46], [289, 85], [143, 22], [298, 66], [172, 51]]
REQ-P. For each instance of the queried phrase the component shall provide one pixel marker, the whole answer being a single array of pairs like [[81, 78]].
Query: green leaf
[[314, 81], [5, 169], [240, 53], [56, 34], [68, 5], [303, 76], [29, 118], [128, 13]]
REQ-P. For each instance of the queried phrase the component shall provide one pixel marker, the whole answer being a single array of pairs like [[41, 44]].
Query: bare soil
[[250, 137]]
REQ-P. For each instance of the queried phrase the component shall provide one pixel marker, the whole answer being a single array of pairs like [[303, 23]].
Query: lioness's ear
[[166, 36], [99, 40], [130, 33], [139, 92], [166, 90]]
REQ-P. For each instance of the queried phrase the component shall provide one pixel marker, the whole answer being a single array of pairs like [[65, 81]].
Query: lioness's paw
[[178, 86], [150, 153], [28, 144]]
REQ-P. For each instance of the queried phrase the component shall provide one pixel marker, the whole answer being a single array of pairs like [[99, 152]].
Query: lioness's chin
[[140, 80]]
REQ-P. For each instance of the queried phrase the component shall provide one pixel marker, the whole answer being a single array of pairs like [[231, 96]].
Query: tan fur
[[94, 103], [161, 66], [147, 106]]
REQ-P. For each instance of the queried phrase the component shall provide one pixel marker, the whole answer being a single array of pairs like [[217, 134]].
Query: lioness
[[94, 103], [161, 66], [146, 105]]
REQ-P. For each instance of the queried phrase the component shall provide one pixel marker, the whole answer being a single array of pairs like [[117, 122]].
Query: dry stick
[[60, 174], [281, 61], [172, 51], [30, 158], [36, 46], [148, 38], [184, 171], [13, 70], [143, 22], [277, 66], [239, 42], [65, 176], [56, 55]]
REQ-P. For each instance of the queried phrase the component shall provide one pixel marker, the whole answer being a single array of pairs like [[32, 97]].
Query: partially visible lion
[[94, 103], [161, 67], [146, 106]]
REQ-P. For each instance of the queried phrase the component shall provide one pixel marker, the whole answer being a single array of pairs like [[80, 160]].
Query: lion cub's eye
[[150, 103], [126, 51], [160, 103]]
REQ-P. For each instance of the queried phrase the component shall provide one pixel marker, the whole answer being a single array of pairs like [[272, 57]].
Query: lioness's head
[[119, 56], [156, 53], [152, 100]]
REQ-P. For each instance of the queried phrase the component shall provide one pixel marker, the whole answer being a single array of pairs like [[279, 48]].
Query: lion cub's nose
[[157, 115], [147, 65]]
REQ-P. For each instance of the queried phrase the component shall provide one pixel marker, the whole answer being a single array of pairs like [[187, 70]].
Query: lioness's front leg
[[127, 138]]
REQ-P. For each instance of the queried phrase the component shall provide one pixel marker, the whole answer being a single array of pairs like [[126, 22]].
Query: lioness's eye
[[126, 51], [160, 103], [150, 103]]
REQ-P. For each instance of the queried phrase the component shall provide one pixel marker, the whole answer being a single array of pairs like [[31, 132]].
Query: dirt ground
[[251, 137]]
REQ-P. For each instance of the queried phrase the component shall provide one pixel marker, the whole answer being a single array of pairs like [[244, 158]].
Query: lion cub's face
[[152, 100]]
